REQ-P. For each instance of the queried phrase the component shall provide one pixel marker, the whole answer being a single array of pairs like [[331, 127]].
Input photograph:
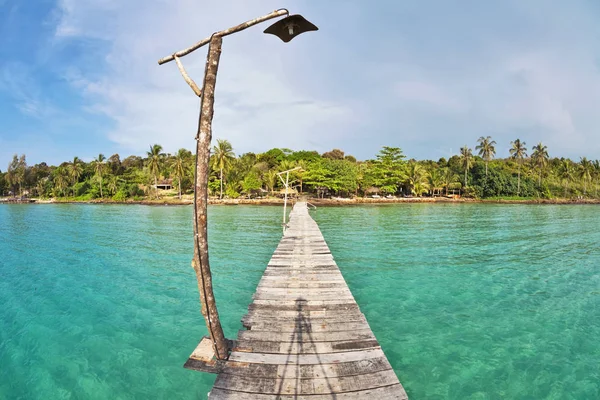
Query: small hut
[[164, 184], [373, 190]]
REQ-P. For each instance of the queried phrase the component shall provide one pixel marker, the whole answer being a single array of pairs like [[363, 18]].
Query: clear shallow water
[[467, 301], [100, 302], [478, 301]]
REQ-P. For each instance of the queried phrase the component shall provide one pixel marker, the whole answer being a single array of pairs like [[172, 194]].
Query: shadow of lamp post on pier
[[286, 29]]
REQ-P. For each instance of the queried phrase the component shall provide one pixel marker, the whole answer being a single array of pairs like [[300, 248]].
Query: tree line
[[474, 172]]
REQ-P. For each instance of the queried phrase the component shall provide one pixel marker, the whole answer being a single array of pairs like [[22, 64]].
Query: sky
[[80, 77]]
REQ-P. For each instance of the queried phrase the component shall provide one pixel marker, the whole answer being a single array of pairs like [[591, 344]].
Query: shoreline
[[330, 202]]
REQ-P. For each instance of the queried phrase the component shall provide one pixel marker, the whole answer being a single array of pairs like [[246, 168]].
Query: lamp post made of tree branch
[[286, 29]]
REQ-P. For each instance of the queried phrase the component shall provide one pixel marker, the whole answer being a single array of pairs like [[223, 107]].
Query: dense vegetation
[[475, 173]]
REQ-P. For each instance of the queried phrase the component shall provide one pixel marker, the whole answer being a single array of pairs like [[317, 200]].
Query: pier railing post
[[200, 262]]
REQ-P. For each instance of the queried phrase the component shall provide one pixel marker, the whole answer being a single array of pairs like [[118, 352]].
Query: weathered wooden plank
[[357, 334], [252, 320], [391, 392], [308, 291], [303, 344], [291, 370], [294, 313], [305, 307], [301, 386], [301, 285], [306, 303], [297, 277], [321, 326], [263, 358], [351, 368]]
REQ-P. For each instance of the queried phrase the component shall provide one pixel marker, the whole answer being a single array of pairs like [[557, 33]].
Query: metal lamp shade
[[288, 28]]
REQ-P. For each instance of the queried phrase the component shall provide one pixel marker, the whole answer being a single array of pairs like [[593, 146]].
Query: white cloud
[[260, 100], [509, 70]]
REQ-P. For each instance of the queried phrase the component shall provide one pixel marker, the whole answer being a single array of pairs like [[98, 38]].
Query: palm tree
[[518, 152], [155, 157], [223, 157], [487, 151], [419, 187], [415, 178], [271, 180], [179, 166], [596, 165], [585, 172], [566, 173], [61, 180], [75, 171], [112, 184], [40, 188], [99, 168], [434, 180], [540, 159], [300, 172], [449, 178], [466, 157]]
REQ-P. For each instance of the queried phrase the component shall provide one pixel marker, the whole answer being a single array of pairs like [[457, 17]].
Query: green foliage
[[334, 173], [303, 155], [81, 188], [251, 183], [134, 190], [121, 195], [272, 157], [337, 176], [231, 193]]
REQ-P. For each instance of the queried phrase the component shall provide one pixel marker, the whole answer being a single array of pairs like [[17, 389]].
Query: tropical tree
[[223, 156], [179, 166], [416, 178], [61, 180], [596, 165], [540, 158], [40, 187], [466, 160], [585, 171], [155, 157], [566, 173], [518, 152], [487, 151], [75, 171], [270, 180], [449, 178], [14, 177], [386, 172], [434, 180], [99, 163], [112, 184]]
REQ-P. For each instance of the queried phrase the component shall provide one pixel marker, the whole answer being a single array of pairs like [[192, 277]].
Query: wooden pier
[[305, 336]]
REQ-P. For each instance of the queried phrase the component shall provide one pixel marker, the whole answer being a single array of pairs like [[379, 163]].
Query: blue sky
[[79, 77]]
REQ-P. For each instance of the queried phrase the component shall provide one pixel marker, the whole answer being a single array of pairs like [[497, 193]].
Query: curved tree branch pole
[[200, 262]]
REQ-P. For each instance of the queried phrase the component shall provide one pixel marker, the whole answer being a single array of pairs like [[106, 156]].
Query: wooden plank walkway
[[306, 337]]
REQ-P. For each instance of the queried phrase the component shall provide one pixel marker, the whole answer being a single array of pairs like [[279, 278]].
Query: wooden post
[[287, 179], [200, 262]]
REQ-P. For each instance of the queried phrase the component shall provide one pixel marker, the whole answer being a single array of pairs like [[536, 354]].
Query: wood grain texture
[[306, 337]]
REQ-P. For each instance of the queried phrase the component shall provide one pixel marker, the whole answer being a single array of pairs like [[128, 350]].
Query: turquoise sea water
[[468, 301]]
